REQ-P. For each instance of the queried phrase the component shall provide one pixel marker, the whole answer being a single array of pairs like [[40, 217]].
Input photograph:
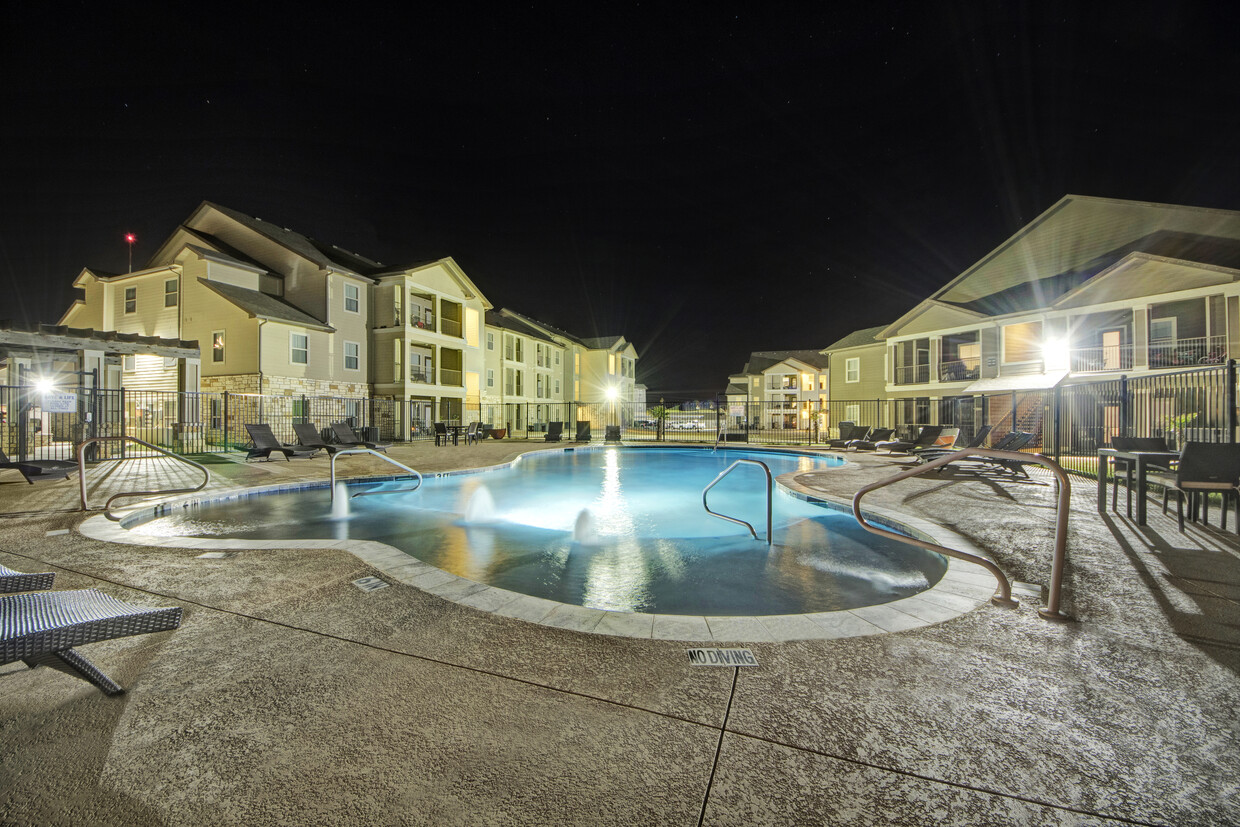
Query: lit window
[[299, 348], [852, 369], [352, 298], [170, 293], [217, 346], [352, 356], [131, 299]]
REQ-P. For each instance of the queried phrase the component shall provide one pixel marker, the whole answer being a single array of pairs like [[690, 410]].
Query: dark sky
[[706, 182]]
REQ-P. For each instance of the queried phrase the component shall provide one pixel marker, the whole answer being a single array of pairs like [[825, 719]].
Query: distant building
[[781, 388]]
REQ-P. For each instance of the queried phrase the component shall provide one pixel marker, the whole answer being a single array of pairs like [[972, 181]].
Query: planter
[[499, 433]]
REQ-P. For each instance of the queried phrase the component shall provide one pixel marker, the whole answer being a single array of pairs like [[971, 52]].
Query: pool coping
[[962, 589]]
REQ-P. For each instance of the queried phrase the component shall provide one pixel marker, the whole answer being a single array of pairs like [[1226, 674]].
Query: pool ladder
[[724, 473], [384, 457]]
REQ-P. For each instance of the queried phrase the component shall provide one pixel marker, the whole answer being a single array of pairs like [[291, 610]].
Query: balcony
[[961, 370], [1201, 350], [1101, 359], [453, 378], [422, 375], [912, 374]]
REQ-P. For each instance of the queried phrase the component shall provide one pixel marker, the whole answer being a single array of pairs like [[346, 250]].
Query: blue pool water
[[618, 529]]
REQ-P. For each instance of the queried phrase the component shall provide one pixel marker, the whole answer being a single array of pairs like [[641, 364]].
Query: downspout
[[261, 322]]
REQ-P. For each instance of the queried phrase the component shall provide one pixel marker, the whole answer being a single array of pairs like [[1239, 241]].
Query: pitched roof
[[763, 359], [867, 336], [264, 306], [602, 342], [543, 326], [495, 318]]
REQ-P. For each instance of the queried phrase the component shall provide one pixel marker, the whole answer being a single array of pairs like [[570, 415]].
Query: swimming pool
[[620, 529]]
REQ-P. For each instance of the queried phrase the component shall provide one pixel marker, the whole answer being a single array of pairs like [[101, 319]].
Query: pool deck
[[290, 696]]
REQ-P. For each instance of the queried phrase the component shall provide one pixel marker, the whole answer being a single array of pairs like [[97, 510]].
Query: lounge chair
[[1012, 441], [931, 454], [870, 443], [42, 629], [16, 581], [346, 437], [1205, 468], [266, 444], [308, 437], [39, 470], [583, 431], [926, 438], [613, 434], [555, 431], [848, 433]]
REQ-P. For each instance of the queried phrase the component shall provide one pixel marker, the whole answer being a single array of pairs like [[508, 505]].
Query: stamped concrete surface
[[289, 696]]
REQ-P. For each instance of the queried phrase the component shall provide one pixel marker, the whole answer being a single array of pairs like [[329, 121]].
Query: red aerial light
[[130, 237]]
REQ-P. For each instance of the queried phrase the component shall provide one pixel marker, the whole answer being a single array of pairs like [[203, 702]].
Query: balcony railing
[[912, 374], [1103, 358], [963, 370], [448, 376], [424, 320], [450, 327], [422, 375], [1202, 350]]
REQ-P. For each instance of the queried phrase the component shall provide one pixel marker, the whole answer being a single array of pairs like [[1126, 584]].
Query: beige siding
[[872, 384], [204, 312]]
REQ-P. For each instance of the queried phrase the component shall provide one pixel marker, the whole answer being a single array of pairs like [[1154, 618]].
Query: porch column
[[1140, 338]]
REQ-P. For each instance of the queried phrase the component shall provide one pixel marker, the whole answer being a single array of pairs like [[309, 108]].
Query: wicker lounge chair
[[583, 431], [926, 438], [848, 433], [1014, 468], [39, 470], [978, 440], [42, 629], [348, 438], [16, 581], [555, 432], [870, 443], [308, 437], [266, 444]]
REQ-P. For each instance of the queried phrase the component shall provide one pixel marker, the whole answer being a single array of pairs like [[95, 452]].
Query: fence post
[[124, 419], [1231, 400], [225, 423], [1057, 402], [1125, 409]]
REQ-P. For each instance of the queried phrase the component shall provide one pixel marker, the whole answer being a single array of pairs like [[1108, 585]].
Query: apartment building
[[782, 388]]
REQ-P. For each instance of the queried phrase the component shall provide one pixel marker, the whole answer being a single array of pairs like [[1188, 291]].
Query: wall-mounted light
[[1055, 353], [45, 385]]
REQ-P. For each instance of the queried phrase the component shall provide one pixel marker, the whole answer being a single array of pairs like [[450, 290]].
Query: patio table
[[1142, 460]]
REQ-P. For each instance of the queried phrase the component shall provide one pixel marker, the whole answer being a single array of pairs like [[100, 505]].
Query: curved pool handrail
[[384, 457], [724, 473], [1003, 597], [107, 506]]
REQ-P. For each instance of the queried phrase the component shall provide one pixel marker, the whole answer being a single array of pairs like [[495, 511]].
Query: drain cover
[[370, 584]]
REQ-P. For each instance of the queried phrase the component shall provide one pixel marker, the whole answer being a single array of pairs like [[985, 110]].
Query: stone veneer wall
[[284, 386]]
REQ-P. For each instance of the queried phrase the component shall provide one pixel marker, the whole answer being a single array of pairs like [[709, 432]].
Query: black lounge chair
[[39, 470], [848, 433], [870, 443], [931, 454], [16, 581], [1205, 468], [266, 444], [42, 629], [555, 431], [346, 437], [1012, 441], [583, 431], [308, 437], [613, 434], [926, 438]]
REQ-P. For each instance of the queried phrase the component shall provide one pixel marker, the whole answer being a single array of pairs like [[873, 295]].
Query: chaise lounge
[[555, 432], [16, 581], [347, 437], [41, 628], [266, 444], [39, 470], [308, 437]]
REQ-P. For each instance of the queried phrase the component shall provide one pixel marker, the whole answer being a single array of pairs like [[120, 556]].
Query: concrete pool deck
[[289, 696]]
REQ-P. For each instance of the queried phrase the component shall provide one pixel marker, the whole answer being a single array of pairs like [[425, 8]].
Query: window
[[352, 298], [299, 348], [217, 346], [557, 387], [852, 369], [822, 381], [352, 356], [129, 363], [557, 358], [170, 293], [131, 299], [490, 378], [490, 340], [539, 388], [508, 348], [1022, 342]]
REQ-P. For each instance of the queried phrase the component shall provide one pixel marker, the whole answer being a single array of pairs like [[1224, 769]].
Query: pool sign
[[59, 402], [721, 657]]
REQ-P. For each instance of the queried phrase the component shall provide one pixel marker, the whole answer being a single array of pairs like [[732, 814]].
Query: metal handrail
[[1004, 595], [107, 507], [382, 457], [723, 474]]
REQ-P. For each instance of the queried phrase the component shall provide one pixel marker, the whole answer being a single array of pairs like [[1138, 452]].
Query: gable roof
[[866, 336], [513, 322], [762, 359], [263, 306]]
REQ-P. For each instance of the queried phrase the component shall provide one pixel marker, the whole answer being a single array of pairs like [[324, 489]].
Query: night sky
[[707, 182]]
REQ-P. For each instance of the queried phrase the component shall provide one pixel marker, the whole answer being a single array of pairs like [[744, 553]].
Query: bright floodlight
[[45, 385], [1055, 353], [613, 392]]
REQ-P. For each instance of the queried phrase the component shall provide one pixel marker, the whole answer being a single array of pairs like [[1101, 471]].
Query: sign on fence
[[59, 402]]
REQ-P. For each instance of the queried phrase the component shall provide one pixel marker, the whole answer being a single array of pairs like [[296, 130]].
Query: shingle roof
[[601, 342], [542, 325], [264, 306], [517, 325], [763, 359], [324, 255], [868, 336]]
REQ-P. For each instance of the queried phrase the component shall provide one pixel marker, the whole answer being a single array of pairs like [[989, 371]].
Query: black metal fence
[[1070, 422]]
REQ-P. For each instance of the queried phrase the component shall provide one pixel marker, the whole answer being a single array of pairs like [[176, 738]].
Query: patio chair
[[441, 433], [1011, 441], [1013, 468], [42, 629], [347, 437], [555, 431], [583, 431], [930, 454], [472, 432], [848, 433], [1205, 468], [870, 443], [16, 581], [926, 438], [266, 444], [308, 436], [39, 470]]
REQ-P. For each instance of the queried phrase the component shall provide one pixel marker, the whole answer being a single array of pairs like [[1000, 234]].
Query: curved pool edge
[[962, 588]]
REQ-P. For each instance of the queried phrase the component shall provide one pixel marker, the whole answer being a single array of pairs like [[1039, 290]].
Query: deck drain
[[215, 555], [371, 584]]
